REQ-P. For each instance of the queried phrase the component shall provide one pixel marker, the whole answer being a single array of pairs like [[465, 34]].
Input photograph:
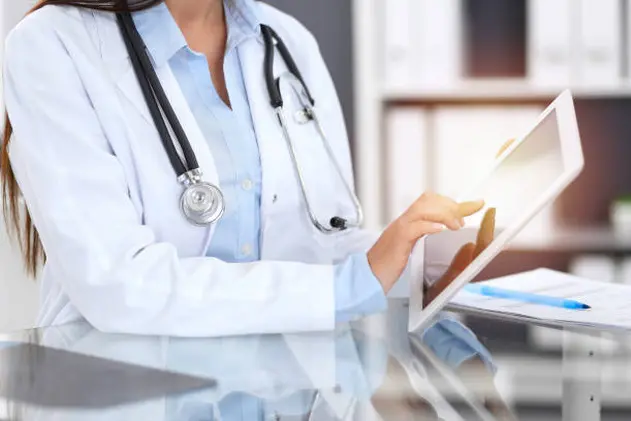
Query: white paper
[[610, 303], [594, 267]]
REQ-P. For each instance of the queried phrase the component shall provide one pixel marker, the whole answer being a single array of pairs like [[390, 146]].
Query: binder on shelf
[[406, 152], [551, 31], [599, 56], [439, 32], [595, 267], [423, 44], [399, 54], [624, 271]]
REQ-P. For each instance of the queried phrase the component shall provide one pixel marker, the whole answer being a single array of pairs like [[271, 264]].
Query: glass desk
[[546, 372], [371, 369]]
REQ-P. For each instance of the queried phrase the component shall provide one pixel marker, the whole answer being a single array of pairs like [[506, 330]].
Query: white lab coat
[[105, 199]]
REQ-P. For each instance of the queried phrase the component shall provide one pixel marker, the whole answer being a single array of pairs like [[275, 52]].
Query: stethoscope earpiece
[[339, 223]]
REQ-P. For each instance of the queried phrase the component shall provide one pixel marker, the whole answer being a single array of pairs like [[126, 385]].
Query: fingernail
[[462, 222], [438, 227]]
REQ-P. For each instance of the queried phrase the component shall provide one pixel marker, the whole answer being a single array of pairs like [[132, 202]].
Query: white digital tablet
[[525, 179]]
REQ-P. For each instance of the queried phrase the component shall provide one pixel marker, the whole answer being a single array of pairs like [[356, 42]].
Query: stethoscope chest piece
[[202, 203]]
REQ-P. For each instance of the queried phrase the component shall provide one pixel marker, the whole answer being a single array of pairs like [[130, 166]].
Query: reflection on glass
[[338, 375], [509, 193]]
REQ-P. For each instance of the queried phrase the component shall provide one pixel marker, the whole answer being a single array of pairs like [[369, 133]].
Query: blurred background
[[431, 89]]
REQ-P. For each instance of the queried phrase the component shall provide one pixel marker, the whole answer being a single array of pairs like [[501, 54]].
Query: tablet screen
[[518, 181]]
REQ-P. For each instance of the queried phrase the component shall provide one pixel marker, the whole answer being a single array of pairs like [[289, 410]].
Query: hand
[[467, 254], [430, 214], [469, 251]]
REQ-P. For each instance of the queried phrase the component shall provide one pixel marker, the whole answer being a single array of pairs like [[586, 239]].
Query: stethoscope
[[203, 203]]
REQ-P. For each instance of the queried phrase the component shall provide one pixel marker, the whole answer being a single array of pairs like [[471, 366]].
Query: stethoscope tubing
[[269, 38], [157, 99], [186, 165]]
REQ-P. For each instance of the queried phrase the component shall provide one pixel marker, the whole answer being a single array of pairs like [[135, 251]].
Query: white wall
[[18, 294]]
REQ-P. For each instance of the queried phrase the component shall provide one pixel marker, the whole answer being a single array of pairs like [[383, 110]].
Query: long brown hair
[[17, 218]]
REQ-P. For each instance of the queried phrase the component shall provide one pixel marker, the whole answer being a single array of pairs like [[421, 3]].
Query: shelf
[[500, 90], [596, 240]]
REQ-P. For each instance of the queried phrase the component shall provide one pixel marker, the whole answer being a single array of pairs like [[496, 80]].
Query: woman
[[102, 196]]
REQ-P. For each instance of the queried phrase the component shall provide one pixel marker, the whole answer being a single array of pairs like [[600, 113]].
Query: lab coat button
[[247, 185]]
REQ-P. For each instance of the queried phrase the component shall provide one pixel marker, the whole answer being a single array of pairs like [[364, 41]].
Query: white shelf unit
[[513, 90], [373, 100], [369, 108]]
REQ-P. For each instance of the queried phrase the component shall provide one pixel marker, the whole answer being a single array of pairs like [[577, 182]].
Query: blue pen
[[526, 297]]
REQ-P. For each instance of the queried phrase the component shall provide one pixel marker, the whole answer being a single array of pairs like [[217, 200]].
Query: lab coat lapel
[[125, 79], [129, 87], [123, 75], [118, 64]]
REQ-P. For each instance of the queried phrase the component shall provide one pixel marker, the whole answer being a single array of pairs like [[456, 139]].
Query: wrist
[[377, 268]]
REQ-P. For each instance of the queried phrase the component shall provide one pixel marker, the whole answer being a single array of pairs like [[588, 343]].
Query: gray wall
[[330, 22]]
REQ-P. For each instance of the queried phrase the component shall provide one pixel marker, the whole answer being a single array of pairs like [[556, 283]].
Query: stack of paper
[[610, 303], [595, 267]]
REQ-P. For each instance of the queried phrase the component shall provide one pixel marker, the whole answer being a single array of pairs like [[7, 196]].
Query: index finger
[[469, 208]]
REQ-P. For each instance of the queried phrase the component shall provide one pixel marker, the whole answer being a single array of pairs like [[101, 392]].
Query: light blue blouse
[[232, 140]]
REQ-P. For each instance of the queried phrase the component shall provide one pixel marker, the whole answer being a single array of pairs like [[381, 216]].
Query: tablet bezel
[[573, 162]]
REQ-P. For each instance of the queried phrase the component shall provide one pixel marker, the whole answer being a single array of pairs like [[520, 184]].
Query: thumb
[[457, 266], [505, 146]]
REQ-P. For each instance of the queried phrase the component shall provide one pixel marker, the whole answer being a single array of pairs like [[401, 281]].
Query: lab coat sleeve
[[411, 279], [111, 266], [358, 292]]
